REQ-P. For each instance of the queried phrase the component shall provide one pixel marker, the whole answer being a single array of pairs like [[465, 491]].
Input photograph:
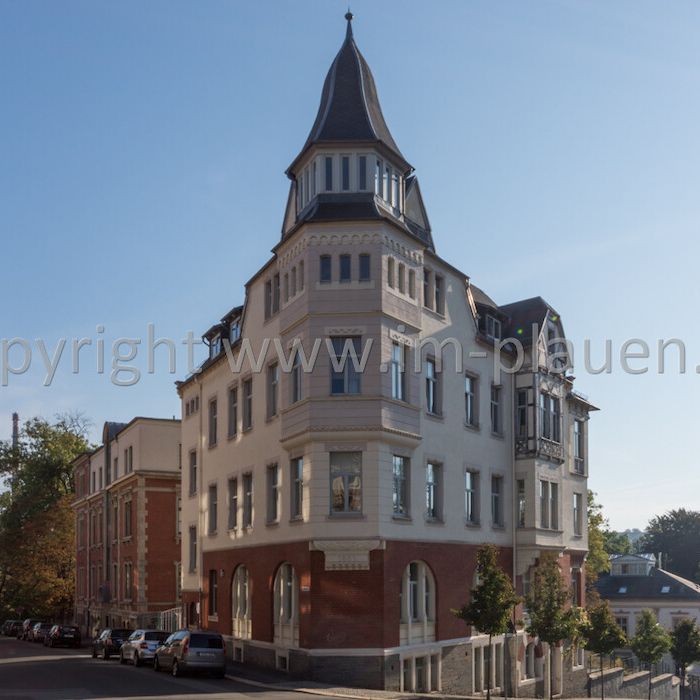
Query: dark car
[[10, 627], [63, 635], [188, 650], [39, 631], [25, 630], [109, 642], [141, 646]]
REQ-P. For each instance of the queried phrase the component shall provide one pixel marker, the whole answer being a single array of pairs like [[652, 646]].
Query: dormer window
[[493, 328], [215, 347], [235, 331]]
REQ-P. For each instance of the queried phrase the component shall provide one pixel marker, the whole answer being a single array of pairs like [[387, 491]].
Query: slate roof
[[349, 108], [619, 588], [523, 314]]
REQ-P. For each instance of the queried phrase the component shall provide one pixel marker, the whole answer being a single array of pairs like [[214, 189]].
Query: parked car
[[9, 627], [40, 630], [188, 650], [24, 631], [68, 635], [109, 642], [141, 646]]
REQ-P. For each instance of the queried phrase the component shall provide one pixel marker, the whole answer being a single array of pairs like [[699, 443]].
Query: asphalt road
[[35, 672]]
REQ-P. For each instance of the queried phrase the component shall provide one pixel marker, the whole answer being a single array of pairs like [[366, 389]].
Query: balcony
[[550, 449]]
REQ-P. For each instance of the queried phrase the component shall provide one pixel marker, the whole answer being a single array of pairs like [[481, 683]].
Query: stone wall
[[635, 685]]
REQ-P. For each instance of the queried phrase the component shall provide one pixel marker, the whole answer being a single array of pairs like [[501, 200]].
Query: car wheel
[[94, 652], [137, 661], [176, 669], [122, 660], [156, 665], [105, 654]]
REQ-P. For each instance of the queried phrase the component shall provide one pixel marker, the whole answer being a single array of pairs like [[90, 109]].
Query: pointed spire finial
[[348, 17]]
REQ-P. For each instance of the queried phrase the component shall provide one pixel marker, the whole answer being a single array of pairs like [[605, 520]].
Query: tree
[[685, 646], [677, 535], [597, 560], [491, 602], [650, 641], [36, 521], [616, 542], [602, 635], [550, 618]]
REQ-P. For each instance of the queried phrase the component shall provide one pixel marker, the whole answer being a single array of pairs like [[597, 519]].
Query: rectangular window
[[273, 381], [100, 477], [131, 458], [346, 482], [325, 268], [362, 172], [402, 278], [268, 299], [364, 267], [232, 503], [297, 487], [400, 469], [293, 283], [439, 295], [313, 179], [247, 500], [579, 447], [554, 505], [232, 411], [390, 274], [301, 275], [329, 173], [345, 268], [497, 500], [427, 288], [178, 520], [116, 466], [496, 423], [345, 379], [212, 423], [385, 183], [275, 293], [345, 172], [544, 504], [493, 327], [578, 514], [550, 417], [213, 592], [247, 404], [213, 509], [471, 497], [296, 385], [193, 472], [470, 400], [521, 502], [273, 493], [432, 494], [521, 427], [127, 519], [128, 581], [285, 287], [378, 177], [432, 387], [395, 195], [398, 372], [412, 284]]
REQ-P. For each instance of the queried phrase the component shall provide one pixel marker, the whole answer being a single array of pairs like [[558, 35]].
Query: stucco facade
[[331, 514]]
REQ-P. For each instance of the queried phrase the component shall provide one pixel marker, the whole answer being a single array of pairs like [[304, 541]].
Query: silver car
[[192, 650], [141, 646]]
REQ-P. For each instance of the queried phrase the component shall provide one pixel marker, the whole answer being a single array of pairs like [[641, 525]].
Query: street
[[34, 672]]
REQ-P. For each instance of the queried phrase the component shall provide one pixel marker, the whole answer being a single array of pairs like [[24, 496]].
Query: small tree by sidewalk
[[491, 602], [602, 635], [685, 646], [550, 619], [650, 641]]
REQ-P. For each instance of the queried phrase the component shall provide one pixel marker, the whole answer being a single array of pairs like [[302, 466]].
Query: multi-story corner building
[[127, 525], [332, 513]]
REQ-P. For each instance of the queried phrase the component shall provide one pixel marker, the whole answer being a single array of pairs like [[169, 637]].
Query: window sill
[[346, 516], [434, 521], [577, 536], [213, 533], [402, 518], [233, 529], [296, 519], [475, 427], [127, 539], [192, 494], [498, 526], [247, 429], [472, 523], [213, 618], [232, 437], [272, 418], [211, 445], [498, 436], [272, 523], [434, 416]]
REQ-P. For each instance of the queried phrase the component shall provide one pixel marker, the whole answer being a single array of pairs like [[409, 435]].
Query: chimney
[[15, 430]]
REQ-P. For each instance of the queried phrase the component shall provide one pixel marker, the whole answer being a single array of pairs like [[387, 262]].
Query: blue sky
[[142, 157]]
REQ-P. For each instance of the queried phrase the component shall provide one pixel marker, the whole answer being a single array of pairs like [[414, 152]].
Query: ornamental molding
[[346, 555], [345, 331]]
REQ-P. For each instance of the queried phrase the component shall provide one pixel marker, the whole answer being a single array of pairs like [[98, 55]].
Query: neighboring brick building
[[127, 529], [331, 515]]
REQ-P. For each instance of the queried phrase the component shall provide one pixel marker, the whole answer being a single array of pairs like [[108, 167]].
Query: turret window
[[364, 267], [329, 173], [362, 172], [325, 269], [345, 268], [345, 172], [390, 272]]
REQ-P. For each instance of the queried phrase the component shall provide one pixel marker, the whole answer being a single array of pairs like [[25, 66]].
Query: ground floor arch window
[[417, 604], [286, 606], [240, 603]]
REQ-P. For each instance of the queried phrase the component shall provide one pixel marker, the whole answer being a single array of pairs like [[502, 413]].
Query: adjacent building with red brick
[[127, 527]]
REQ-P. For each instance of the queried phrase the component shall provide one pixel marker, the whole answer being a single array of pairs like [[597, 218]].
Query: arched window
[[240, 604], [529, 662], [417, 604], [286, 606]]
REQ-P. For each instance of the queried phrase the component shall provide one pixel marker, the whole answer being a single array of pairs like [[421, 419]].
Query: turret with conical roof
[[350, 167]]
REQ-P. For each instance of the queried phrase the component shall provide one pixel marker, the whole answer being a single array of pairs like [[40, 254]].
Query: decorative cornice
[[346, 555]]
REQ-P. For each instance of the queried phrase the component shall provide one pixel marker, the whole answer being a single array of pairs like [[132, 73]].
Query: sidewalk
[[275, 680]]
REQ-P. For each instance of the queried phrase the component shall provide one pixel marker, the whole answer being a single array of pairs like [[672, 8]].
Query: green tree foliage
[[36, 522], [685, 646], [551, 619], [491, 602], [597, 560], [602, 634], [650, 641], [677, 535], [616, 542]]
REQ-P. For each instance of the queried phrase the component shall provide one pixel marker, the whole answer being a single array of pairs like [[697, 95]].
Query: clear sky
[[142, 155]]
